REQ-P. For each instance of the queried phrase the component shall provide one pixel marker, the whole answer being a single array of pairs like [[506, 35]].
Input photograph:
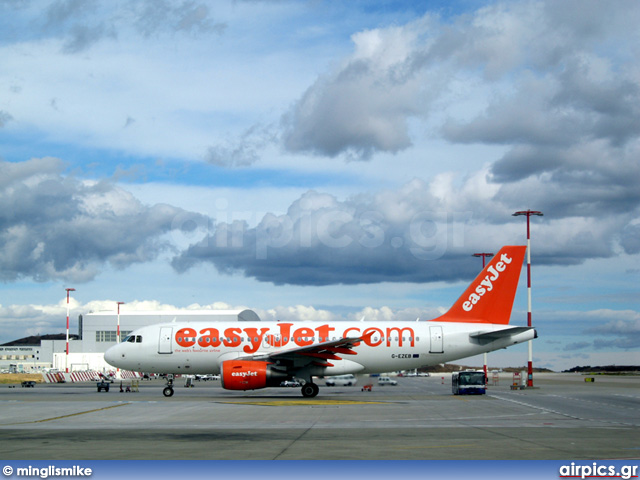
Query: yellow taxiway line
[[288, 403]]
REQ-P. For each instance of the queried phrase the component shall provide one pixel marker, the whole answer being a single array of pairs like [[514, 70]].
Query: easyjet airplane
[[253, 355]]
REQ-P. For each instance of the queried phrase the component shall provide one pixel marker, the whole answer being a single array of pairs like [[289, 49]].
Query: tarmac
[[562, 417]]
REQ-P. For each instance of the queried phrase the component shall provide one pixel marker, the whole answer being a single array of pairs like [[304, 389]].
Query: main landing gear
[[168, 390], [310, 390]]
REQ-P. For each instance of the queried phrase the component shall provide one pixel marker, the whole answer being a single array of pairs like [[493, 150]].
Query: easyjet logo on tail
[[488, 282]]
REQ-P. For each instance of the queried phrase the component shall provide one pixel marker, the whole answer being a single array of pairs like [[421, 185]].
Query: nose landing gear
[[168, 390]]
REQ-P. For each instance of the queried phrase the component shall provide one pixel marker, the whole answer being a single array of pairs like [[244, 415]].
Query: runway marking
[[563, 414], [536, 407], [288, 403], [605, 404], [66, 416]]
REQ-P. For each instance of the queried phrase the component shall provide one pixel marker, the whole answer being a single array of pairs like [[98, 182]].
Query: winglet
[[489, 298]]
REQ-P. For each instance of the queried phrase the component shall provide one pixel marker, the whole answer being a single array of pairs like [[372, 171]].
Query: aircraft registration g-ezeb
[[253, 355]]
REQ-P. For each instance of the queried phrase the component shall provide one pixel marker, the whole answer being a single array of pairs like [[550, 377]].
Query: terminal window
[[110, 335]]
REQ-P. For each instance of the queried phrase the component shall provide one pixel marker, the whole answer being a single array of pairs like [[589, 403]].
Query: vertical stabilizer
[[489, 298]]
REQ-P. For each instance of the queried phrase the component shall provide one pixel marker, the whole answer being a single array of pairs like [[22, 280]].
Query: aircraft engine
[[250, 375]]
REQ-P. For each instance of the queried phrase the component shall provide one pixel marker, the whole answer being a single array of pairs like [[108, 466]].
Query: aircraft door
[[436, 340], [164, 343]]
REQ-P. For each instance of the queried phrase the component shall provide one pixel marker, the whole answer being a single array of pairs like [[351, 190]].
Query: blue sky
[[322, 160]]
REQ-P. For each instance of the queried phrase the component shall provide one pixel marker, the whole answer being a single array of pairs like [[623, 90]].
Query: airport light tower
[[118, 330], [483, 255], [528, 213], [484, 355], [66, 357]]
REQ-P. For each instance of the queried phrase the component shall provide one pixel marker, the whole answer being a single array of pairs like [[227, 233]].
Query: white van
[[386, 381], [341, 381]]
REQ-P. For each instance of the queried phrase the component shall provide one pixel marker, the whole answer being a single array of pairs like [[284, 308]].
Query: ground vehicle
[[416, 374], [28, 384], [103, 385], [290, 383], [341, 381], [386, 381], [468, 382]]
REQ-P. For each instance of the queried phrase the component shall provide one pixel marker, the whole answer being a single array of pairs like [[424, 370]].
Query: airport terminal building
[[96, 332]]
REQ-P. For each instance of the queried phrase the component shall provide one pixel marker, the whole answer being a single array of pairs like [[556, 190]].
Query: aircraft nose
[[111, 355]]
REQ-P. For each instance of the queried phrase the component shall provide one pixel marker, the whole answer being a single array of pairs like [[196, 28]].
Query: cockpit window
[[130, 339], [138, 338]]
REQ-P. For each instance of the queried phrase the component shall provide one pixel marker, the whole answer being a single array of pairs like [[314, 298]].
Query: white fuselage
[[201, 347]]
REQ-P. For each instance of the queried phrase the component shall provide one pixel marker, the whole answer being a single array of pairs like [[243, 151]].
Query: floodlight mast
[[528, 214], [118, 329], [483, 255], [66, 357]]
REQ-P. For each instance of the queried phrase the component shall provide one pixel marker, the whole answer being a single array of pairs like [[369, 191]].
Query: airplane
[[254, 355]]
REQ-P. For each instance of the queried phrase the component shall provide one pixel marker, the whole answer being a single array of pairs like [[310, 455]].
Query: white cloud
[[58, 228]]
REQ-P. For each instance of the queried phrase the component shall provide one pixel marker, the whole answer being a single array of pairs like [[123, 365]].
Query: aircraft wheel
[[167, 392], [310, 390]]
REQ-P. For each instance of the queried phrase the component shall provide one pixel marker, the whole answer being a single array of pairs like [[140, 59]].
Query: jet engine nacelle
[[249, 375]]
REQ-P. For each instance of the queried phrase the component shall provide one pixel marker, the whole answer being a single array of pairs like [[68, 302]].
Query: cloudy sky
[[322, 160]]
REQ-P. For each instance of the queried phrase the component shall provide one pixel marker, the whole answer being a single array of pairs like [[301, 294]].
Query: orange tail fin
[[489, 298]]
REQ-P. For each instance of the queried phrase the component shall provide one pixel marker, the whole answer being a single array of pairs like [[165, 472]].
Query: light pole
[[528, 213], [66, 357], [484, 355], [118, 331], [483, 255]]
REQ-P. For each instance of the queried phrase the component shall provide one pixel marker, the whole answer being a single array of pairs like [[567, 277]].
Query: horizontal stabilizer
[[507, 332]]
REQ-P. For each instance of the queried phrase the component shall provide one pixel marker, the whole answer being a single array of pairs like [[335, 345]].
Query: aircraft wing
[[318, 354]]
